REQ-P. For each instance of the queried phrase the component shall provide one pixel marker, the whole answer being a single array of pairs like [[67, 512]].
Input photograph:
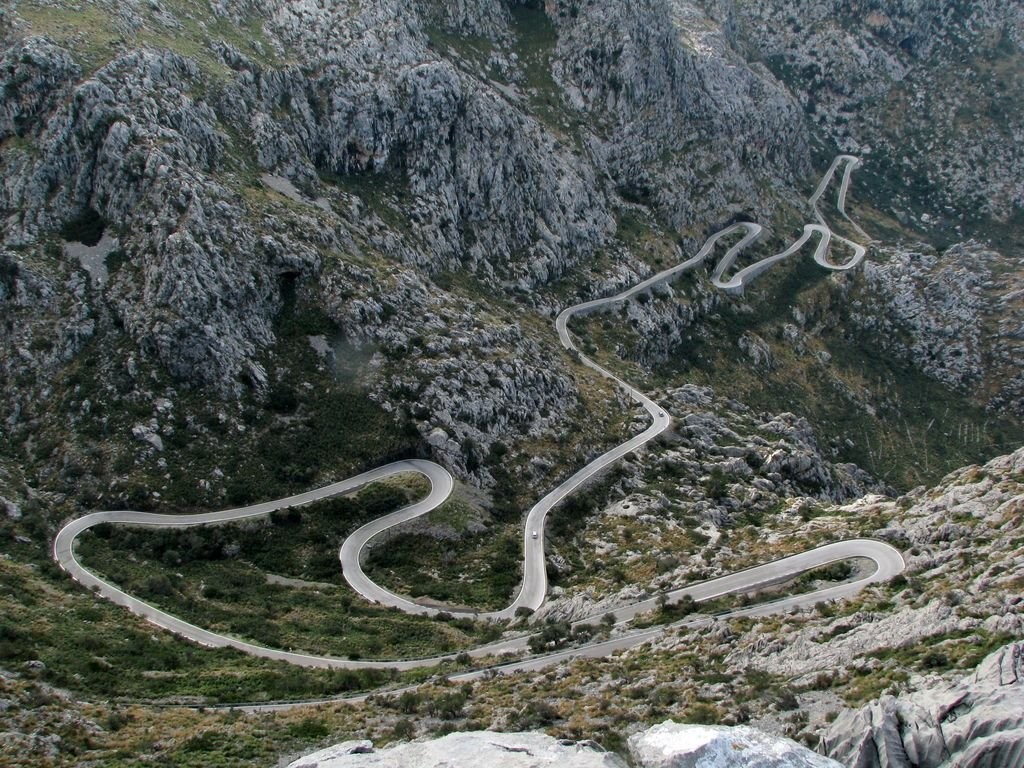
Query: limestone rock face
[[466, 750], [663, 79], [978, 723], [668, 745], [132, 145], [675, 745]]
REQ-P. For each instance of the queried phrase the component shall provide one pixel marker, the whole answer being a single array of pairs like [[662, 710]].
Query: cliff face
[[416, 151]]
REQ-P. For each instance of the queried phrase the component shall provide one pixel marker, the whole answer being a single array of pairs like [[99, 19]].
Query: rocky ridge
[[632, 68]]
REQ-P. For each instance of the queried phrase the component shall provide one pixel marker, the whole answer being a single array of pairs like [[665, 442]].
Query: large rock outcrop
[[672, 745], [668, 745], [463, 750], [978, 723], [661, 81]]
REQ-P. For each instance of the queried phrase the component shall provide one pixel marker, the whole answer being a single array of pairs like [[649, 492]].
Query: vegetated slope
[[906, 369], [801, 675]]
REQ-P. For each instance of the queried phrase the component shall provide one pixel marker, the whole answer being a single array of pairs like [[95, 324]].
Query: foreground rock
[[495, 750], [978, 723], [668, 745], [673, 745]]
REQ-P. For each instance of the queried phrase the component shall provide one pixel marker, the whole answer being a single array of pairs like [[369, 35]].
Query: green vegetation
[[667, 612], [474, 49], [217, 577], [958, 651], [476, 570], [299, 435], [299, 542], [961, 650], [99, 650]]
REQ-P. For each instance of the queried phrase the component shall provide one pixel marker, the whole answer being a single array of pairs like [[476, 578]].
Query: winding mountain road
[[533, 591]]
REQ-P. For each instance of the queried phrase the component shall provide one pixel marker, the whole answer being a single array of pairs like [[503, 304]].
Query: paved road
[[849, 163], [534, 586], [64, 553], [887, 560]]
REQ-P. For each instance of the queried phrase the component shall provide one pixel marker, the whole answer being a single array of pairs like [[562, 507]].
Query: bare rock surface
[[675, 745], [977, 723], [463, 750], [668, 745]]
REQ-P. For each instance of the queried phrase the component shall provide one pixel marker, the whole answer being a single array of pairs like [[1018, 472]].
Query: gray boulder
[[495, 750], [676, 745]]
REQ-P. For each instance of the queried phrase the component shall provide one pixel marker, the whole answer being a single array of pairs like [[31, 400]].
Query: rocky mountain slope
[[168, 151], [353, 158], [900, 81]]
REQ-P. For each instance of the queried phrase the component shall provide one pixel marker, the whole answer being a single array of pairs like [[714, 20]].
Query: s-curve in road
[[64, 553], [533, 590]]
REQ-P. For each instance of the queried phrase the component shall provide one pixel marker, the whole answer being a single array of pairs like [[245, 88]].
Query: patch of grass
[[99, 650], [474, 49], [962, 650], [216, 576], [300, 542]]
